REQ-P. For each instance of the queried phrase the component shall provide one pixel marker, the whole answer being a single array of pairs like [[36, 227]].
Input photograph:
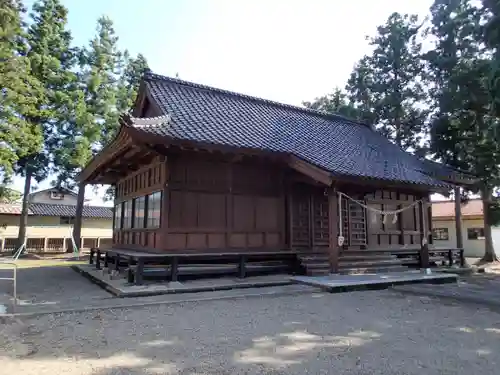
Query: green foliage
[[386, 85], [100, 65], [50, 60], [492, 41], [360, 90], [20, 92], [465, 126], [107, 84], [336, 102], [465, 131], [59, 105], [451, 92], [8, 195], [134, 69]]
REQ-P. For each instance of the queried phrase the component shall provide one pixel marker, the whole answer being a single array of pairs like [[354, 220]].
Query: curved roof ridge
[[139, 122], [153, 76]]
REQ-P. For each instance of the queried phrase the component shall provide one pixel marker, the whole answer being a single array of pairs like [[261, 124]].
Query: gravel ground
[[377, 332], [49, 286]]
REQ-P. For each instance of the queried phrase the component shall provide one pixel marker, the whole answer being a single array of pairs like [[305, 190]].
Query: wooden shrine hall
[[203, 175]]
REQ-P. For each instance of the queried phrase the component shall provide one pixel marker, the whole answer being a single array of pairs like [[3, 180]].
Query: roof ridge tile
[[145, 121]]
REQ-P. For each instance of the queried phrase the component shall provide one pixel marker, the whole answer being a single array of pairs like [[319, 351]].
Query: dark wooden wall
[[221, 204], [405, 231], [363, 228], [314, 218], [147, 179]]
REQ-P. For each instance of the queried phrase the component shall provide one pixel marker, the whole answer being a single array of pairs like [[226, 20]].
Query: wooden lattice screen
[[354, 223], [300, 224], [321, 221]]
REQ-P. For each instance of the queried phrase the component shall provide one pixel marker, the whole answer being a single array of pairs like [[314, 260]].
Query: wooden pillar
[[45, 243], [162, 234], [310, 200], [77, 229], [424, 238], [400, 222], [229, 204], [288, 219], [2, 244], [333, 223], [458, 219]]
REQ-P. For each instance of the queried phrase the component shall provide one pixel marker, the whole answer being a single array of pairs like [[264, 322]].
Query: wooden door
[[310, 227], [300, 223]]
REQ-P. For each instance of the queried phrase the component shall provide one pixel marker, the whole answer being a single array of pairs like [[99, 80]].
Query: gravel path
[[50, 286], [378, 332]]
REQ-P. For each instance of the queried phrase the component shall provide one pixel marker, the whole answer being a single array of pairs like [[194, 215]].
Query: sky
[[289, 51]]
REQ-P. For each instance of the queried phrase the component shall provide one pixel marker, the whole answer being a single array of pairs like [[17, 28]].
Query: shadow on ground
[[48, 286], [377, 332]]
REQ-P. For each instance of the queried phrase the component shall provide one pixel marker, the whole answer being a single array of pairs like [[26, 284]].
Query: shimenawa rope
[[384, 213]]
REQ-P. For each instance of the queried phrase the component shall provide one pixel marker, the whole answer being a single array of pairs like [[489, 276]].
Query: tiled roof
[[10, 208], [473, 207], [46, 209], [336, 144]]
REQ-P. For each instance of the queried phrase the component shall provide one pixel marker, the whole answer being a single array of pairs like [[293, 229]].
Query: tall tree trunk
[[489, 250], [23, 219]]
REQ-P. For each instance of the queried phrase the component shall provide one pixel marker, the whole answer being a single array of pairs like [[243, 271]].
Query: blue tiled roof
[[336, 144], [47, 209]]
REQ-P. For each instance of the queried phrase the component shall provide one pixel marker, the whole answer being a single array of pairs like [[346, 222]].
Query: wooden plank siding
[[405, 231], [215, 202], [224, 204]]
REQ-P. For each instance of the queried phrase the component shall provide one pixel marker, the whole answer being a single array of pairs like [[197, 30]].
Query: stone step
[[387, 269]]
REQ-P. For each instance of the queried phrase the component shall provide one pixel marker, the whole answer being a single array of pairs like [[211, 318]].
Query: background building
[[50, 221], [444, 233]]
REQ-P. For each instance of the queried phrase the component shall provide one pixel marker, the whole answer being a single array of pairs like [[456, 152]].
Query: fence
[[52, 245]]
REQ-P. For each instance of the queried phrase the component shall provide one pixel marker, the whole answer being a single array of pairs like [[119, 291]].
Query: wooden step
[[317, 265], [318, 271], [308, 253], [310, 260], [367, 252], [368, 263], [373, 257]]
